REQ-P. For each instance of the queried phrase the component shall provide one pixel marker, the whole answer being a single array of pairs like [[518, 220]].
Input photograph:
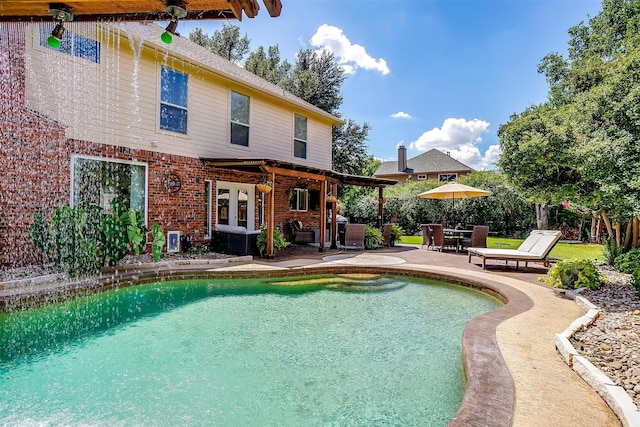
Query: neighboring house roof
[[429, 162], [190, 52]]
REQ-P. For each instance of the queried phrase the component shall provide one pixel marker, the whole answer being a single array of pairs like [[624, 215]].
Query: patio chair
[[354, 236], [478, 237], [439, 241], [426, 235], [535, 248], [300, 235]]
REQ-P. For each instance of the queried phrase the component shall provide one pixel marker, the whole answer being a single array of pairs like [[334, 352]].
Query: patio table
[[458, 235]]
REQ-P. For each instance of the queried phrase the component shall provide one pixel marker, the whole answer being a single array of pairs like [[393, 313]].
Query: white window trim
[[440, 175], [248, 125], [297, 190], [306, 140], [108, 159], [422, 177], [159, 130]]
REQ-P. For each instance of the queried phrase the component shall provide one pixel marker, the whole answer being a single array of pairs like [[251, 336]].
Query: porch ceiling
[[297, 170], [135, 10]]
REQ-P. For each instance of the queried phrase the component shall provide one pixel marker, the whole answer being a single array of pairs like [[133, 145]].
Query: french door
[[235, 204]]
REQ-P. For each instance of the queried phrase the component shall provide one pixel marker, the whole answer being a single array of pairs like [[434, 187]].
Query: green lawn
[[561, 250]]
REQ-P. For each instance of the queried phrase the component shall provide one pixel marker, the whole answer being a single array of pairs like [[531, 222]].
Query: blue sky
[[426, 73]]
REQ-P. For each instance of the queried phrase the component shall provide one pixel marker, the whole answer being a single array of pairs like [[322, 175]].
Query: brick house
[[433, 164], [173, 130]]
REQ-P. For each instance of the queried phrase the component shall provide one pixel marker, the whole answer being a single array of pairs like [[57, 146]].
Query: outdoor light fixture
[[176, 10], [61, 14]]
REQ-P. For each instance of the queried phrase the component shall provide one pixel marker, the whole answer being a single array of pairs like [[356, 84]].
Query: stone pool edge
[[489, 398], [615, 396]]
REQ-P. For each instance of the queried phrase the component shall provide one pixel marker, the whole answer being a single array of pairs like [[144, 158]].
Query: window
[[239, 119], [299, 199], [98, 181], [72, 44], [300, 137], [173, 100], [422, 177], [447, 177]]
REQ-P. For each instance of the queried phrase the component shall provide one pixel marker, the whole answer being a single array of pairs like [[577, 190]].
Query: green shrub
[[40, 233], [198, 250], [636, 280], [74, 244], [628, 262], [372, 238], [574, 274], [611, 251], [158, 241], [278, 241], [395, 235]]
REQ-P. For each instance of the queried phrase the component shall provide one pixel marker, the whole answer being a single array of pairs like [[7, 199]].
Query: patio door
[[235, 204]]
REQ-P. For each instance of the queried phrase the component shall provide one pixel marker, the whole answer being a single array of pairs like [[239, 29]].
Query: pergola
[[274, 168], [135, 10]]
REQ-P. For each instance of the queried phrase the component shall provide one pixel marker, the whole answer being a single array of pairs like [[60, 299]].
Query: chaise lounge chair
[[535, 248]]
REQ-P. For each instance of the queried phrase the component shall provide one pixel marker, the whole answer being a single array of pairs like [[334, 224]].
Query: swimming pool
[[352, 350]]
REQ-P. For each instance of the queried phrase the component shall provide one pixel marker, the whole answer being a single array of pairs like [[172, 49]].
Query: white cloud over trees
[[459, 137], [350, 56]]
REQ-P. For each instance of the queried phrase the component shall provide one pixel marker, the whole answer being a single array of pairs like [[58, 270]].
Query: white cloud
[[350, 56], [460, 137], [401, 115]]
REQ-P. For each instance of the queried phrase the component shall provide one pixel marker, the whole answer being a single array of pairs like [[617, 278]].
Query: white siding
[[116, 102]]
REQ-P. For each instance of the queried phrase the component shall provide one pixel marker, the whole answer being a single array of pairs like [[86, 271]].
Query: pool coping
[[489, 398]]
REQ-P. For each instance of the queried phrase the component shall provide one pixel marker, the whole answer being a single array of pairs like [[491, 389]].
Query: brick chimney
[[402, 158]]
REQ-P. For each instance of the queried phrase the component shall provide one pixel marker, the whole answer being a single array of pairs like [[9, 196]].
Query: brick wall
[[35, 170]]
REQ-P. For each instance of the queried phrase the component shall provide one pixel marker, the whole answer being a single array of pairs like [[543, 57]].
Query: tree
[[349, 147], [317, 78], [268, 65], [594, 96], [536, 156], [225, 42]]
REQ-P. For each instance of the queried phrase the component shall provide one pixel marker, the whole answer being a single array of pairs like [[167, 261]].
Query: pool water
[[295, 352]]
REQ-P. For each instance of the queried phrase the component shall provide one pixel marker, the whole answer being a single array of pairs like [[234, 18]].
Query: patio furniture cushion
[[536, 247]]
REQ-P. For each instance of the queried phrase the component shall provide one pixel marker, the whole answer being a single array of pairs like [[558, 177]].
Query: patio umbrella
[[454, 190]]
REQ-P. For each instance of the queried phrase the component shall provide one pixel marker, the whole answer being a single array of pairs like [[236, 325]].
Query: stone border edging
[[615, 396]]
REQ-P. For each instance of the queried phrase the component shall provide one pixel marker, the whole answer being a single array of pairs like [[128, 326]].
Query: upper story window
[[72, 44], [239, 119], [300, 137], [299, 199], [173, 100], [444, 177]]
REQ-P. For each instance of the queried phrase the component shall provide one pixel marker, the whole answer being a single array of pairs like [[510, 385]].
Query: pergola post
[[270, 216], [380, 207]]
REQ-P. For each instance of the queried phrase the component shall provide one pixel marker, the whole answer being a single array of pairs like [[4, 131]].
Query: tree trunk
[[542, 216], [627, 235], [636, 231], [594, 228], [607, 224]]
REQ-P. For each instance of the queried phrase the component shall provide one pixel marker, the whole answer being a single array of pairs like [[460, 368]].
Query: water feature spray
[[60, 13], [177, 10]]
